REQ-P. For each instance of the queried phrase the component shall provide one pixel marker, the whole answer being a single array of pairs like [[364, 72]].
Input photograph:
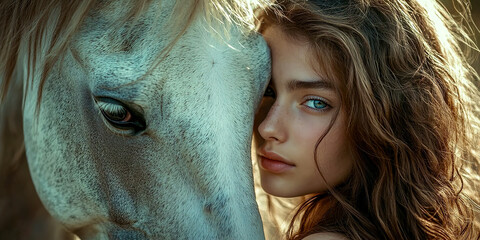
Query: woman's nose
[[272, 126]]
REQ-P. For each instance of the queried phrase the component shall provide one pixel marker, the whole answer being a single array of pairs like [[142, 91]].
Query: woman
[[369, 116]]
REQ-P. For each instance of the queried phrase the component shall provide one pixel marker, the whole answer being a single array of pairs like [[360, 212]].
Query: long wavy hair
[[411, 101]]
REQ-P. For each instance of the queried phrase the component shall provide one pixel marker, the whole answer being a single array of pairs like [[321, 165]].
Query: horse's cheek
[[58, 145]]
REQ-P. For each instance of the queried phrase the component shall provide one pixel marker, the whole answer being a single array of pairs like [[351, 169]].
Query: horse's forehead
[[114, 11], [106, 37], [195, 54]]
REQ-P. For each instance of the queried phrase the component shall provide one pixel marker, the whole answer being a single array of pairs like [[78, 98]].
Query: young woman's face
[[295, 112]]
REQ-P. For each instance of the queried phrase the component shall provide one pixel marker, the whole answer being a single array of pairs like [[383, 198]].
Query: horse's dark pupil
[[117, 116], [269, 92]]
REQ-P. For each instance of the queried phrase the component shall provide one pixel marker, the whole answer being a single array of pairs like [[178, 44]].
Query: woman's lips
[[272, 162]]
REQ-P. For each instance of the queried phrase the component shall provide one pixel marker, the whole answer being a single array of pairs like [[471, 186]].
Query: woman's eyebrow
[[296, 84]]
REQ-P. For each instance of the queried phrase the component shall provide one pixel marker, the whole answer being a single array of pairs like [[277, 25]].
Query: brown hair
[[409, 96]]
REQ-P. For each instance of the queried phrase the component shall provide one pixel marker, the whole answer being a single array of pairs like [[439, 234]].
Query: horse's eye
[[114, 112], [269, 92], [119, 115]]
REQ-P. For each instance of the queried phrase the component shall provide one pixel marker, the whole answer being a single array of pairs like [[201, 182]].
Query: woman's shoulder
[[326, 236]]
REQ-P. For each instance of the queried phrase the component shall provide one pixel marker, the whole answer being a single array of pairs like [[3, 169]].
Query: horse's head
[[126, 146]]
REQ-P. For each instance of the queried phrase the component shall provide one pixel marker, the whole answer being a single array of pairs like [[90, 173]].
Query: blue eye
[[316, 104]]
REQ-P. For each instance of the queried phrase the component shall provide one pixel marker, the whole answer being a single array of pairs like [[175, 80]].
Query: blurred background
[[475, 10]]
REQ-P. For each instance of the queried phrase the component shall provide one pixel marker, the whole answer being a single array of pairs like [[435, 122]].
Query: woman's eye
[[316, 104], [269, 92], [119, 115]]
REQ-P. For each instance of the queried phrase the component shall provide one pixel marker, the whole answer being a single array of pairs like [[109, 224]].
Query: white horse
[[136, 119]]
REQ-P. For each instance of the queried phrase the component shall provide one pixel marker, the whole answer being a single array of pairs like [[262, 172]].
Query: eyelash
[[322, 101], [270, 92], [120, 117]]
